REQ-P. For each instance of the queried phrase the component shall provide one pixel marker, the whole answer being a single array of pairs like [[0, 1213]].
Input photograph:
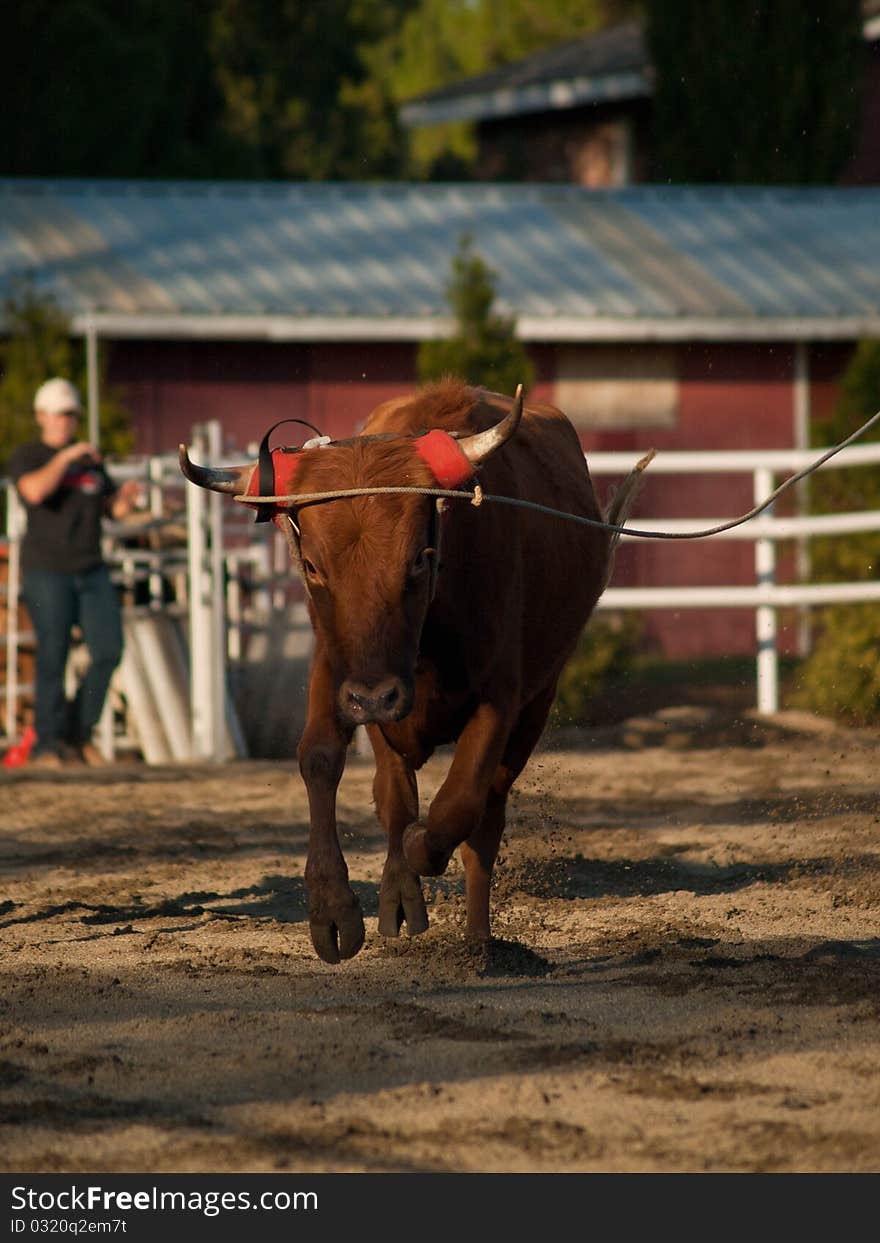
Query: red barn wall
[[171, 385], [729, 396]]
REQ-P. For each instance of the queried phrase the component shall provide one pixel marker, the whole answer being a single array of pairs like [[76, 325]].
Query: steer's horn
[[482, 444], [231, 479]]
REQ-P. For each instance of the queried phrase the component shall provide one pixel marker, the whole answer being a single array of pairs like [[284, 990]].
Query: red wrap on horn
[[449, 464], [285, 466]]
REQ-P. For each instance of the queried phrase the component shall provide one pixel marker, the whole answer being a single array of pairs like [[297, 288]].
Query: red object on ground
[[19, 752]]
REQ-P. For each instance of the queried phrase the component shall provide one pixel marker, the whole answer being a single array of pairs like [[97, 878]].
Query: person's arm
[[124, 499], [36, 485]]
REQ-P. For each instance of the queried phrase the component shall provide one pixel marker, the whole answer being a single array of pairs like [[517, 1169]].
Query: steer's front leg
[[335, 920], [396, 795]]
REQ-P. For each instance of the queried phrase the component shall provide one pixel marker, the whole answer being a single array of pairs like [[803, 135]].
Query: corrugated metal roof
[[372, 261]]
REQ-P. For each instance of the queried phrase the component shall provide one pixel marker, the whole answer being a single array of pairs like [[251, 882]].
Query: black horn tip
[[185, 464]]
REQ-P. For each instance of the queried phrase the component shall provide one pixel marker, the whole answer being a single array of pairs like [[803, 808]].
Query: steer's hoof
[[339, 935], [422, 857], [401, 900]]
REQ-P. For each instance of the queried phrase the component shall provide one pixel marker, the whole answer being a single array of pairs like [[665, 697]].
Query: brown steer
[[427, 645]]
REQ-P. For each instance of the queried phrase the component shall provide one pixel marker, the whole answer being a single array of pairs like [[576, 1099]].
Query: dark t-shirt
[[64, 530]]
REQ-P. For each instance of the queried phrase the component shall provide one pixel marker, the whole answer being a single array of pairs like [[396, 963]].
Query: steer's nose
[[385, 701]]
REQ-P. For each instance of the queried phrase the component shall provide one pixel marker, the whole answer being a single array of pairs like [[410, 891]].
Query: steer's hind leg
[[396, 795], [480, 850], [460, 802]]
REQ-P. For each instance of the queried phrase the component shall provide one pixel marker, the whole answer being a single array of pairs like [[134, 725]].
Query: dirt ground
[[686, 975]]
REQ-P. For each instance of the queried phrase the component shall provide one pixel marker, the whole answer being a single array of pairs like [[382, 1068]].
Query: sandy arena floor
[[686, 974]]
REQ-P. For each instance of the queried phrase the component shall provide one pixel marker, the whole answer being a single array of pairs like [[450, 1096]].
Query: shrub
[[841, 677], [604, 653]]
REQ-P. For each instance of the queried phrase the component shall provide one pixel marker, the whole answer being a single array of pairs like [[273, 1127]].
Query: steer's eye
[[421, 563]]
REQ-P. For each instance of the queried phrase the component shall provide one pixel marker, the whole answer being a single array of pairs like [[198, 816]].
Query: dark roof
[[371, 261], [608, 64]]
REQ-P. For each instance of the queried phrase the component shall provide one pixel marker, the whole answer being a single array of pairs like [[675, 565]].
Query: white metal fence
[[226, 581], [765, 596]]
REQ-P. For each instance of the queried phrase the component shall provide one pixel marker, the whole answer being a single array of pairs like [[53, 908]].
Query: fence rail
[[766, 596]]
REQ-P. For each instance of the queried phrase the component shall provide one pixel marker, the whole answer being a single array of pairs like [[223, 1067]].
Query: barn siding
[[248, 386]]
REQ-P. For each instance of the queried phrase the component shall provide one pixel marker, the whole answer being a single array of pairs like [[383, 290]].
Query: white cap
[[57, 396]]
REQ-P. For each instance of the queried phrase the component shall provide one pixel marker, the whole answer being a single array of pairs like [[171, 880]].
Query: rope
[[478, 497]]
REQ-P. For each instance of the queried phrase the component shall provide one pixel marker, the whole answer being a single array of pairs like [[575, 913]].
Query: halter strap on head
[[265, 473]]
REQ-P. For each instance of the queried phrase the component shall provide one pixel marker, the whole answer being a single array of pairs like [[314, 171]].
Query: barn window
[[617, 386]]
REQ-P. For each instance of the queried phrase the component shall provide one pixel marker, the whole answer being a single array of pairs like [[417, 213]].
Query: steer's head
[[369, 563]]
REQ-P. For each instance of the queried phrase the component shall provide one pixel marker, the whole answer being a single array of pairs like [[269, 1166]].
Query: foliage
[[484, 350], [39, 346], [299, 101], [766, 92], [213, 88], [252, 88], [837, 491], [841, 677], [605, 652]]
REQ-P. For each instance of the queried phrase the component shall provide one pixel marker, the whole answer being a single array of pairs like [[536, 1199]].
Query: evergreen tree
[[484, 350], [763, 92]]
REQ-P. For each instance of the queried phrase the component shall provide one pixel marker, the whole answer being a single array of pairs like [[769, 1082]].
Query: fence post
[[765, 614], [206, 608]]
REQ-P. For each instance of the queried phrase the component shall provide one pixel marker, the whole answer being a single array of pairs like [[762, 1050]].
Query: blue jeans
[[56, 602]]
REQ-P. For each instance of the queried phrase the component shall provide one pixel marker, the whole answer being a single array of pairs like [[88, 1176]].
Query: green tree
[[38, 346], [841, 677], [763, 92], [484, 350], [298, 97], [210, 88]]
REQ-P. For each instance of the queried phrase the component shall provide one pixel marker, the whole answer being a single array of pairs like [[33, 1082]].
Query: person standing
[[65, 581]]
